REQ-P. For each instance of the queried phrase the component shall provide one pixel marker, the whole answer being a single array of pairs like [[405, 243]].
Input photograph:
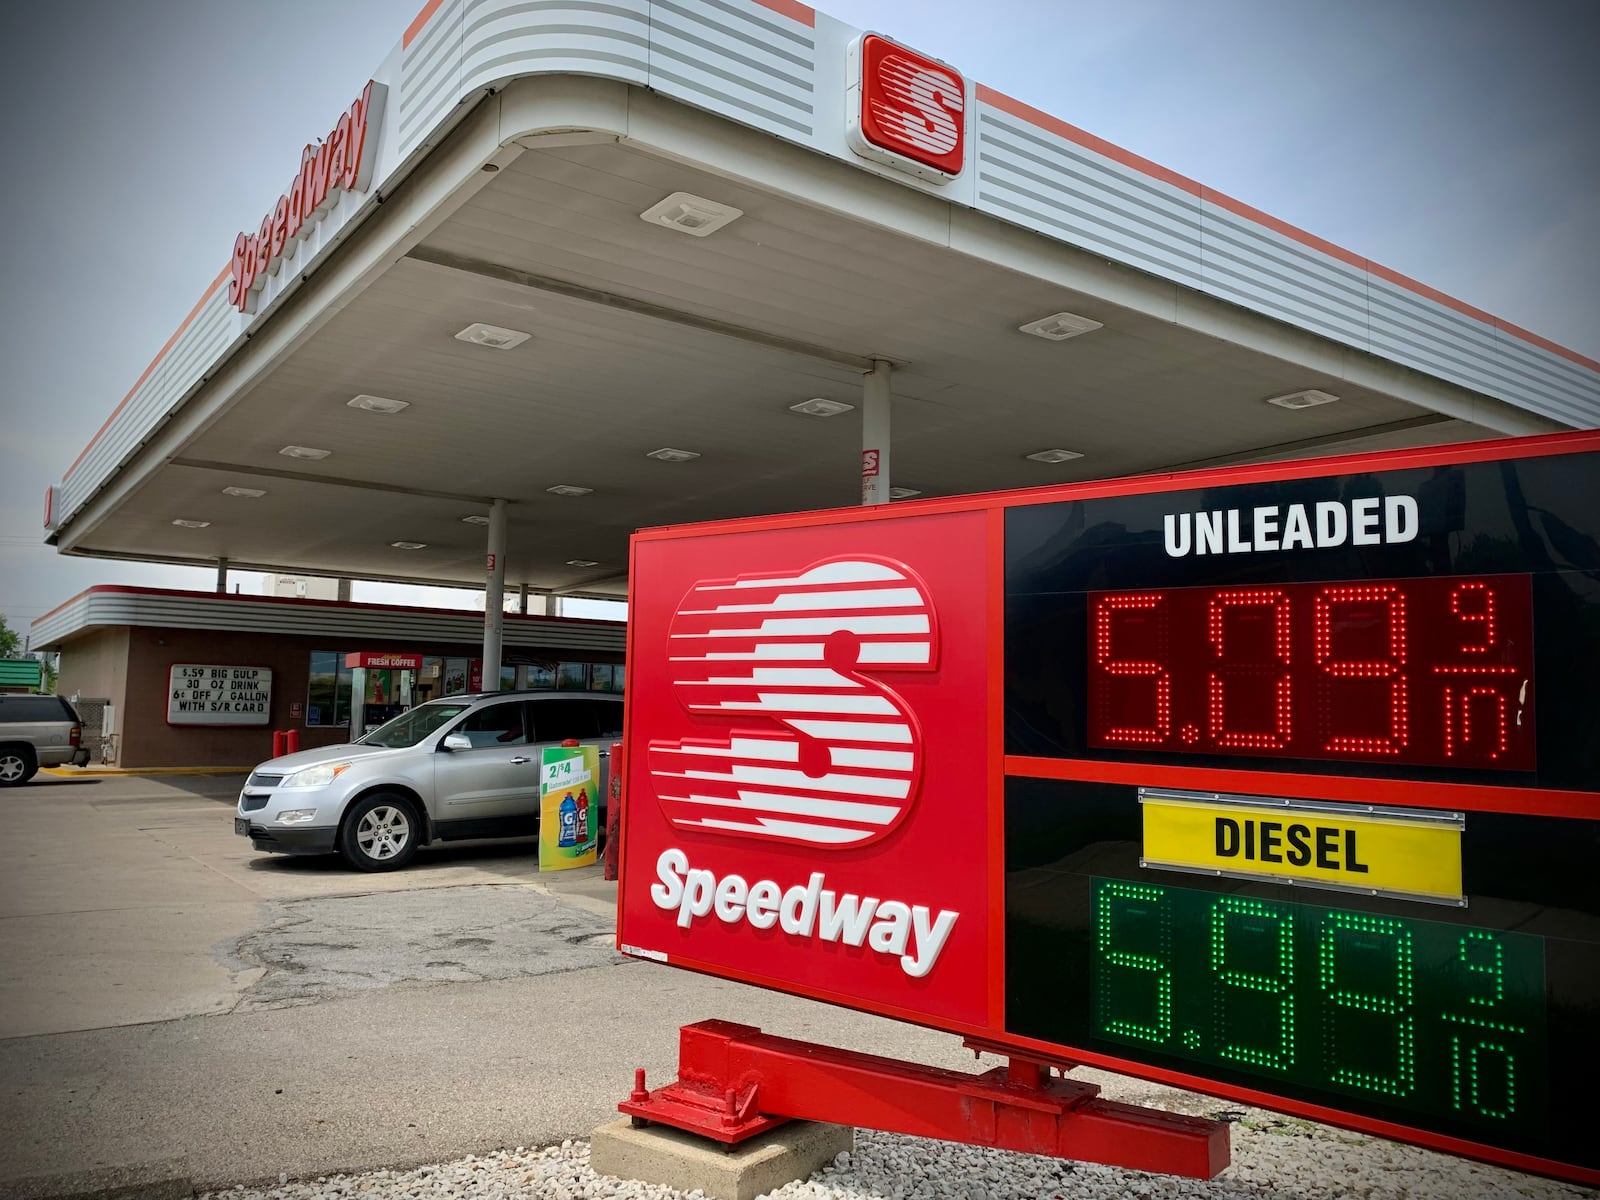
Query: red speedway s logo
[[833, 757], [906, 109]]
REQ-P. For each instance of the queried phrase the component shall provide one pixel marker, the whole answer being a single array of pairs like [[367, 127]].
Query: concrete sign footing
[[669, 1157]]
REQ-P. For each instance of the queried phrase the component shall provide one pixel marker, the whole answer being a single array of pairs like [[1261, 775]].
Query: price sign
[[1277, 782]]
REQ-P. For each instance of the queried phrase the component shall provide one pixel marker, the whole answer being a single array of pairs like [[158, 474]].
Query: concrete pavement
[[174, 1006]]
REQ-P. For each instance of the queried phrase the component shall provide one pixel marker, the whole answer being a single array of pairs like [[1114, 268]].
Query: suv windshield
[[411, 727]]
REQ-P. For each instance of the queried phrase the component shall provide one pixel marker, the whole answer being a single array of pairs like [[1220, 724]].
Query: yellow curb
[[80, 772]]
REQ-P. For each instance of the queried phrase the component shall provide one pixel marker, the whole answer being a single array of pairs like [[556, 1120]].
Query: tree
[[10, 642]]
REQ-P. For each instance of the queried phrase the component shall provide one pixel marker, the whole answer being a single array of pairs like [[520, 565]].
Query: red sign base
[[736, 1082]]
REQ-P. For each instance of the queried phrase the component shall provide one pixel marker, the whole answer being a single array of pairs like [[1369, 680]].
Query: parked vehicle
[[459, 767], [38, 731]]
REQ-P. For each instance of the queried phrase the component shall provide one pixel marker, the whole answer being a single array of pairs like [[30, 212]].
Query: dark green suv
[[37, 731]]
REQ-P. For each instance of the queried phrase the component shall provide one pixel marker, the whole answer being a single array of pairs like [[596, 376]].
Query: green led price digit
[[1255, 918], [1354, 1017], [1475, 1060], [1130, 978]]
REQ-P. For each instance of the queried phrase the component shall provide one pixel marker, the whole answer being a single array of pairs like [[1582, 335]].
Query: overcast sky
[[1453, 140]]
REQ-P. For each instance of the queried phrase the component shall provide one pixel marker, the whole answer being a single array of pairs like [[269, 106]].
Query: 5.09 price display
[[1426, 672], [1439, 1018]]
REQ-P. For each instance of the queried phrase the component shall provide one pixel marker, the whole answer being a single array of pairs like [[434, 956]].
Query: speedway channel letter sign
[[205, 694], [1276, 782], [340, 162]]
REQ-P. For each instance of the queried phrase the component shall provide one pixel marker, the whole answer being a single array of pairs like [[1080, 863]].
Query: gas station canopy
[[698, 216]]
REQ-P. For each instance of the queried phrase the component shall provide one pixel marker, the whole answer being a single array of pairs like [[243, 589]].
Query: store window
[[573, 677], [600, 677], [328, 689]]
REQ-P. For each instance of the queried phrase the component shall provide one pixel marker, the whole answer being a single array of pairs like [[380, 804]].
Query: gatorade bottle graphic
[[569, 822], [583, 815]]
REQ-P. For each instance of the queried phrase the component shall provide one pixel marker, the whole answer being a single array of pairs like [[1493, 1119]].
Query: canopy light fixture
[[818, 406], [1058, 327], [474, 519], [310, 453], [567, 489], [691, 214], [1053, 456], [582, 562], [186, 524], [409, 545], [1310, 398], [668, 454], [378, 404], [896, 493], [492, 336], [248, 493]]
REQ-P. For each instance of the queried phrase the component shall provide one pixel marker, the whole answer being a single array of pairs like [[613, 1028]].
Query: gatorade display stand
[[1273, 782], [569, 821]]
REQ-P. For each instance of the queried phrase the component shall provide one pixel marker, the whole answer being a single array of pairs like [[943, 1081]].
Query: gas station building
[[125, 652], [555, 275]]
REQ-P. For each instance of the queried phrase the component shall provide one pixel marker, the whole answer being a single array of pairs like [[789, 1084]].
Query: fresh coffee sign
[[203, 694]]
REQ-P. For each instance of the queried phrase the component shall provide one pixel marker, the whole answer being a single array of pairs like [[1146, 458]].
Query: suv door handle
[[522, 758]]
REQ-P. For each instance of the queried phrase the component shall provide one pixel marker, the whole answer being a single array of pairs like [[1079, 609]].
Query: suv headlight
[[320, 775]]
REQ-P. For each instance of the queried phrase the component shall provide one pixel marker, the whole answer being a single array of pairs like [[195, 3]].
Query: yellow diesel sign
[[1358, 848]]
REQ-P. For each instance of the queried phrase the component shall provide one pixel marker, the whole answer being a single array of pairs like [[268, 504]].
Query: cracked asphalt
[[315, 950], [179, 1013]]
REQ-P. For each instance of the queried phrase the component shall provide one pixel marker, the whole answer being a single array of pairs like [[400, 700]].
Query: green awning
[[21, 673]]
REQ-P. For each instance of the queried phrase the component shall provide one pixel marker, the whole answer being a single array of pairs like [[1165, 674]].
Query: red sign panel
[[905, 763], [908, 110], [805, 707], [1427, 671], [384, 659]]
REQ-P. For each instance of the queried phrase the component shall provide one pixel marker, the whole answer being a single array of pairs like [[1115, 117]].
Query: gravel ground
[[1274, 1158]]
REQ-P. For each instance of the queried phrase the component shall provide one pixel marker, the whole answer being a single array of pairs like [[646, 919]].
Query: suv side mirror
[[456, 741]]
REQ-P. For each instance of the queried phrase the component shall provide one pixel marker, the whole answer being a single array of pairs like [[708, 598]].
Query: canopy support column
[[494, 591]]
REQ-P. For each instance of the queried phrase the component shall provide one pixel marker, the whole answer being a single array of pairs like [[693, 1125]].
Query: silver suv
[[38, 731], [460, 767]]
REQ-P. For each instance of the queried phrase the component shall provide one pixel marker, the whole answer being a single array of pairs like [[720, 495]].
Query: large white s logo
[[821, 752], [919, 103]]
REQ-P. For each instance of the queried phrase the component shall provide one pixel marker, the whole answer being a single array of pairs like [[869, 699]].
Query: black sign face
[[1415, 628], [1473, 587]]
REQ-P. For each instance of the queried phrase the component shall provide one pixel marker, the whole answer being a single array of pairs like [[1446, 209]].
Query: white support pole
[[222, 575], [494, 590], [875, 434]]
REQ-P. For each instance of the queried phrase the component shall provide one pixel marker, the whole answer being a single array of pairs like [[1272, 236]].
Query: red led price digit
[[1473, 601], [1475, 593], [1106, 609], [1332, 598], [1458, 722], [1216, 622]]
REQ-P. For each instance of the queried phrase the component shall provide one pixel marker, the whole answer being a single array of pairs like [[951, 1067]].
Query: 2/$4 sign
[[206, 694]]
